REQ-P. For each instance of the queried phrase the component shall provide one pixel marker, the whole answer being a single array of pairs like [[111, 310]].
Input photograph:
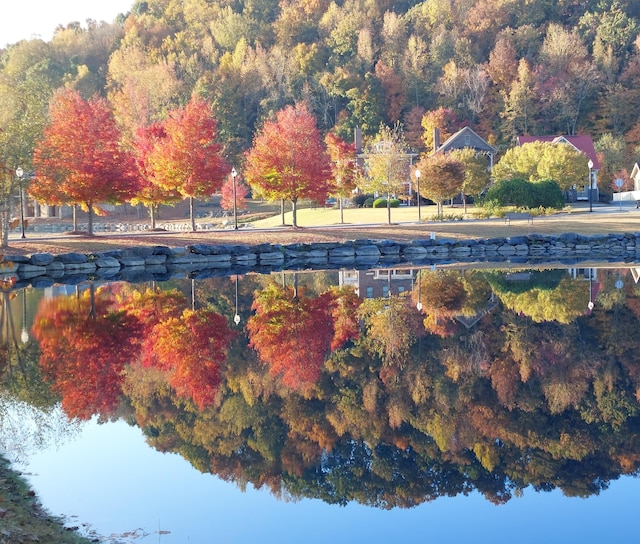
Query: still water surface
[[347, 407]]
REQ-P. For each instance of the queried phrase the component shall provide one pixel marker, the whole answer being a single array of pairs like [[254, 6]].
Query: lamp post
[[19, 174], [234, 174], [590, 165], [419, 305], [590, 305], [417, 175]]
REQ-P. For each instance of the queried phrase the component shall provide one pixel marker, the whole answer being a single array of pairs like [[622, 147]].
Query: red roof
[[582, 142]]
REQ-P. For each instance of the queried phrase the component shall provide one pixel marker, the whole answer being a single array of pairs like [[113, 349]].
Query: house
[[465, 137], [584, 144]]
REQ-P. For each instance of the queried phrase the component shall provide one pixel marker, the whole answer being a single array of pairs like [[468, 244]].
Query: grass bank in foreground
[[22, 519]]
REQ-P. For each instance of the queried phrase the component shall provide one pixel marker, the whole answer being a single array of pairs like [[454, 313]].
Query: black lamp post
[[19, 174], [234, 174]]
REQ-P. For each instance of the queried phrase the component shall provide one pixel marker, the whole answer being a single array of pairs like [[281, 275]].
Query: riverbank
[[22, 518]]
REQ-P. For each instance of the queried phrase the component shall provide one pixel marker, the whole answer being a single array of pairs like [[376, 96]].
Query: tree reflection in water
[[501, 380]]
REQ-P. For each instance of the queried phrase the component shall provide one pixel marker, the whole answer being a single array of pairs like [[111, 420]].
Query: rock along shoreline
[[197, 261]]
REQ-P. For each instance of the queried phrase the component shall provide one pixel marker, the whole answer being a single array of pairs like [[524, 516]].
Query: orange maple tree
[[343, 166], [151, 193], [84, 345], [190, 349], [288, 160], [189, 160], [79, 159]]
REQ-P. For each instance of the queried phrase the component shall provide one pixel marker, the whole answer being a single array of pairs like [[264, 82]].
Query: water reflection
[[449, 381]]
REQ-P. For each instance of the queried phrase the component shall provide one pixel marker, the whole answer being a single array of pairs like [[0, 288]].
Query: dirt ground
[[604, 220]]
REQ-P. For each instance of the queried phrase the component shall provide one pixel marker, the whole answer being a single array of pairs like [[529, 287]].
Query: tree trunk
[[152, 216], [282, 210], [192, 215], [90, 220], [6, 212], [294, 211], [75, 217], [341, 211], [464, 202], [389, 208]]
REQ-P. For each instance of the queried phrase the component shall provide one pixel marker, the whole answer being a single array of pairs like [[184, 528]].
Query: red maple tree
[[79, 159], [241, 191], [84, 345], [292, 333], [189, 159], [150, 192], [288, 160]]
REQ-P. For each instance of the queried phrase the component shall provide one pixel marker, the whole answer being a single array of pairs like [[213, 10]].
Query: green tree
[[536, 161], [476, 172]]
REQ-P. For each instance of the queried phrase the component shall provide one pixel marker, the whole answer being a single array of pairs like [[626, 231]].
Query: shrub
[[360, 199], [382, 203], [525, 194], [512, 192], [368, 202], [548, 194]]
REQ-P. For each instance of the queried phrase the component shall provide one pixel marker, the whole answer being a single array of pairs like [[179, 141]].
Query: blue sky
[[25, 19]]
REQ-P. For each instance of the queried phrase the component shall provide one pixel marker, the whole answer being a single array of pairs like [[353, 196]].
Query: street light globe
[[19, 172], [236, 319]]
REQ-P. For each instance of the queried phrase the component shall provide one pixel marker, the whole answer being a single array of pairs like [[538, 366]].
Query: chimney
[[436, 139], [357, 139]]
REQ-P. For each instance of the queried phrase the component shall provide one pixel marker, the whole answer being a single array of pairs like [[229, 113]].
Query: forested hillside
[[504, 67]]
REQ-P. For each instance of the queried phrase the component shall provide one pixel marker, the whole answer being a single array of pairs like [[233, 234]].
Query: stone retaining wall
[[203, 260]]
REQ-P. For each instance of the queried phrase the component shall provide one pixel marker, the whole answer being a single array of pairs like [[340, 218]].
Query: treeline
[[504, 67]]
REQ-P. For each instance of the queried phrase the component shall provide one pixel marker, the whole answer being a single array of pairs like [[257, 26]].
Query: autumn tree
[[292, 333], [151, 193], [79, 159], [343, 168], [190, 348], [387, 164], [288, 160], [85, 342], [476, 172], [442, 119], [189, 159], [443, 177], [240, 192]]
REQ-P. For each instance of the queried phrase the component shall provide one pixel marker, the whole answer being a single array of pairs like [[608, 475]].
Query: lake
[[354, 405]]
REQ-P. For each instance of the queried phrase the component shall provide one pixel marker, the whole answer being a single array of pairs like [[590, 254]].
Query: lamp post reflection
[[590, 305], [24, 335], [236, 317]]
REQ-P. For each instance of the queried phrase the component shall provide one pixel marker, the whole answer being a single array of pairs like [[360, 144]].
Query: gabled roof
[[581, 142], [466, 137]]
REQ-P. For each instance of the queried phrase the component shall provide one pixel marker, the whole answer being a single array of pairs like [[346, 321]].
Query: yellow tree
[[387, 164]]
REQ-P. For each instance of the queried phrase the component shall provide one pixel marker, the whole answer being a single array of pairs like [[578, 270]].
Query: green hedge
[[382, 203]]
